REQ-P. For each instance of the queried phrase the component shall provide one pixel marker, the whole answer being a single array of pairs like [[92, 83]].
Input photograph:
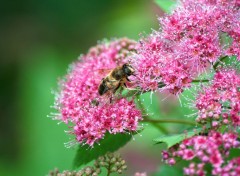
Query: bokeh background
[[38, 40]]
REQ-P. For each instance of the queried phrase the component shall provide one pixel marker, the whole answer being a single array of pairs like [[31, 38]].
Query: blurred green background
[[38, 40]]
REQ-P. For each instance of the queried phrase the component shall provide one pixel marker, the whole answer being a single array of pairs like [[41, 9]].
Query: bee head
[[127, 69]]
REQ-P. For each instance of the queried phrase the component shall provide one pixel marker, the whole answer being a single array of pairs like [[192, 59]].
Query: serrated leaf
[[165, 5], [110, 143], [171, 140]]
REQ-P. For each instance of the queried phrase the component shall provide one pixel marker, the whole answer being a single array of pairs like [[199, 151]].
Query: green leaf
[[110, 143], [171, 140], [234, 152], [165, 5]]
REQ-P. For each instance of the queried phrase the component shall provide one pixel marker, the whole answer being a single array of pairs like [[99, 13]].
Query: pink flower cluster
[[157, 64], [189, 40], [220, 103], [79, 103], [212, 149], [232, 168], [217, 17]]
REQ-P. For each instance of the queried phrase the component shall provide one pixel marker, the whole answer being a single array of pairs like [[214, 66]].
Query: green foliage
[[110, 143], [234, 152], [171, 140], [165, 5]]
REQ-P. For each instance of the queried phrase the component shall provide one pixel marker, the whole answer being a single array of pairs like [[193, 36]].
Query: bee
[[118, 77]]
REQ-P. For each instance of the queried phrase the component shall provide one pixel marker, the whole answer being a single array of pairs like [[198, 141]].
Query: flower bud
[[124, 167], [123, 162], [80, 173], [165, 155], [225, 121], [88, 170], [113, 160], [113, 169], [98, 170], [103, 164], [101, 158], [171, 161], [110, 155], [119, 171], [215, 124], [117, 163]]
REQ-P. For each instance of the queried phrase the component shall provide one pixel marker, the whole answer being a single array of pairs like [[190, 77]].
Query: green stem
[[211, 123], [169, 121], [218, 62], [200, 80], [109, 170], [160, 128]]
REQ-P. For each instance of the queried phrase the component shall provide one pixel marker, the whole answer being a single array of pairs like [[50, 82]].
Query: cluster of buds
[[87, 171], [112, 162]]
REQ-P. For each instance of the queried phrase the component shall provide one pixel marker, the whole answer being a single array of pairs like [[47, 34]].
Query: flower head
[[190, 39], [79, 103], [159, 67]]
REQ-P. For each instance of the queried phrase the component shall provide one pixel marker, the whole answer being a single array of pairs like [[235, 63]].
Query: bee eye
[[127, 69]]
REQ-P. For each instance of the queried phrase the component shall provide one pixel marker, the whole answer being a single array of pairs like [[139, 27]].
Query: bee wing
[[103, 72]]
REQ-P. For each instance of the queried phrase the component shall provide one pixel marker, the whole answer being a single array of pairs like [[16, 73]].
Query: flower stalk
[[178, 121]]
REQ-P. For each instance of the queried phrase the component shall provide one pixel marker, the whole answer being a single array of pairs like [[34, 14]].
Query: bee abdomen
[[102, 87]]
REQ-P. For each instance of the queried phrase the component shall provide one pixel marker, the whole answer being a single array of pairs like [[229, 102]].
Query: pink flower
[[216, 159], [231, 168], [165, 155], [224, 16], [171, 161], [211, 149], [159, 67], [188, 154], [79, 103], [195, 29], [189, 40], [220, 99], [194, 169]]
